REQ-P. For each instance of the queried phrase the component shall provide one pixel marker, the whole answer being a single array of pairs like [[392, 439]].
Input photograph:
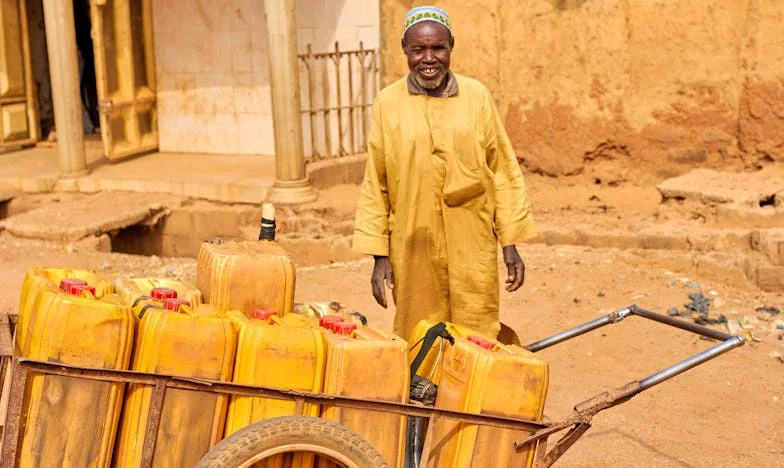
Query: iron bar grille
[[338, 88]]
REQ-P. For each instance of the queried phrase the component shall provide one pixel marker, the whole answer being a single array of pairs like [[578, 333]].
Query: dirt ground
[[728, 412]]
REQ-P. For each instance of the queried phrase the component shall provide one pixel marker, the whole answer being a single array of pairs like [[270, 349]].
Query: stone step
[[724, 199], [7, 192], [754, 254], [91, 216]]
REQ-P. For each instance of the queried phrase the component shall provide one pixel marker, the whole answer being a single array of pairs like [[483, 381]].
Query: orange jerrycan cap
[[161, 294], [329, 321], [481, 342], [66, 283], [344, 328], [262, 314], [77, 289], [173, 303]]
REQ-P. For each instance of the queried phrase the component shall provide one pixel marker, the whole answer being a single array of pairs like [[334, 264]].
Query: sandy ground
[[728, 412]]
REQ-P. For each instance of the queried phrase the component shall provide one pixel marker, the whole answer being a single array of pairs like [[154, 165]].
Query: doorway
[[40, 71]]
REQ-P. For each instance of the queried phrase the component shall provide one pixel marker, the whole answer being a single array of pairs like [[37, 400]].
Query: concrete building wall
[[590, 86], [213, 71]]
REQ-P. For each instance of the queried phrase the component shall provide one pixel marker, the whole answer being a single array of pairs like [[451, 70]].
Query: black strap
[[139, 299], [147, 307], [361, 318], [436, 331]]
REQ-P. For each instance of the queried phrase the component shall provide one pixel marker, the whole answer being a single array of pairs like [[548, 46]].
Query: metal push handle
[[584, 412], [728, 341]]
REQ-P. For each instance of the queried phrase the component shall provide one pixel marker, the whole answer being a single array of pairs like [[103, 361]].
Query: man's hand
[[382, 271], [515, 267]]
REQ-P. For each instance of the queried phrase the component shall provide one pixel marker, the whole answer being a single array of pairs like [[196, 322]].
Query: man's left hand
[[515, 267]]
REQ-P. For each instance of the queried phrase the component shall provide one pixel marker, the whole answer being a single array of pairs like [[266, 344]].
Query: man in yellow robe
[[442, 187]]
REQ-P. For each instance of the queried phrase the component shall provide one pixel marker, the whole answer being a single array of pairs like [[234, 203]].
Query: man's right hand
[[382, 271]]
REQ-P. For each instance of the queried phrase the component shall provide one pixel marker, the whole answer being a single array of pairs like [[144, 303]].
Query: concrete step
[[725, 199], [91, 216], [754, 254]]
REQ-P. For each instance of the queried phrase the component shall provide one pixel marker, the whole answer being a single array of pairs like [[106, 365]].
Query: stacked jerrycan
[[181, 338], [280, 352], [151, 292], [482, 376], [249, 274], [367, 363], [317, 310], [71, 317], [53, 280]]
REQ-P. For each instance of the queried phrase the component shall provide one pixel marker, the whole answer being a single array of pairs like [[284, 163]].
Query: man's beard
[[432, 83]]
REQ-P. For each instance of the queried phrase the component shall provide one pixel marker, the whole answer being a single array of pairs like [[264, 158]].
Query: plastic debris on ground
[[755, 329], [767, 313], [697, 310]]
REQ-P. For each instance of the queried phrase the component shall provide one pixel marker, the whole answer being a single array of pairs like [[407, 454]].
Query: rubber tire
[[321, 436]]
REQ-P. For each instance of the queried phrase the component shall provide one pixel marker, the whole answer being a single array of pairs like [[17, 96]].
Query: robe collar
[[449, 90]]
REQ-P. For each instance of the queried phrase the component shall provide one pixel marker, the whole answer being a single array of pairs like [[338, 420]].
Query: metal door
[[18, 109], [125, 76]]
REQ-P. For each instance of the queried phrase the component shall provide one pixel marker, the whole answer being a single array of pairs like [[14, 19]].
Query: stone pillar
[[64, 73], [291, 181]]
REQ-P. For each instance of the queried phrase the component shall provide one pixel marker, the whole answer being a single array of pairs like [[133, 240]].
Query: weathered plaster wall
[[596, 86], [212, 67]]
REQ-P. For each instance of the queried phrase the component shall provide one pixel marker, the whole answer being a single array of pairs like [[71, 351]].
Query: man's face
[[428, 46]]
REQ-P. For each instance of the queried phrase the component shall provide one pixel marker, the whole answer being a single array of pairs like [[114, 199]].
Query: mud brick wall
[[598, 86]]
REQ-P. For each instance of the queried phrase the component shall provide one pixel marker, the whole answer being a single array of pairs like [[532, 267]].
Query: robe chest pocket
[[463, 183]]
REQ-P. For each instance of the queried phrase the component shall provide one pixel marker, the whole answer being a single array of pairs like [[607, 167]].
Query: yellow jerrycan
[[153, 291], [182, 341], [68, 421], [248, 274], [485, 377], [245, 275], [370, 364], [317, 310], [430, 368], [39, 279], [286, 353]]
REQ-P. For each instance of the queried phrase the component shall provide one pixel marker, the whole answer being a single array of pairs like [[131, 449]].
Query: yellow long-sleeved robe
[[442, 187]]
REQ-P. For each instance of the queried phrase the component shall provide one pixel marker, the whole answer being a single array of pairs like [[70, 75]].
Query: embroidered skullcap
[[426, 13]]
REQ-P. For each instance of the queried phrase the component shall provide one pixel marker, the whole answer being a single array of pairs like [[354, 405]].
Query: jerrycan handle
[[346, 328], [187, 310], [361, 317], [178, 305], [82, 290], [371, 334], [489, 345], [264, 315], [140, 299], [436, 331]]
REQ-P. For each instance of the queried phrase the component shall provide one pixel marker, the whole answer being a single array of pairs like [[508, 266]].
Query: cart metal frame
[[575, 425]]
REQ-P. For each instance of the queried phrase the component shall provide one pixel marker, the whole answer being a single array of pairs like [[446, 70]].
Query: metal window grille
[[338, 88]]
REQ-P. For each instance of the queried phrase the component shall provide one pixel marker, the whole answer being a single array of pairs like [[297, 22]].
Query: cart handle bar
[[584, 412]]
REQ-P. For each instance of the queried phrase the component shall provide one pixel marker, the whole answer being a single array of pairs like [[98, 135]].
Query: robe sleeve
[[371, 226], [514, 221]]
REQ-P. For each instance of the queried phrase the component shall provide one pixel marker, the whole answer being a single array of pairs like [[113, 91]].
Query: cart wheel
[[270, 437]]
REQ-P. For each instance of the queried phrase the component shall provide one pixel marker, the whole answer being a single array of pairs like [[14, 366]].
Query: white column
[[64, 72], [291, 181]]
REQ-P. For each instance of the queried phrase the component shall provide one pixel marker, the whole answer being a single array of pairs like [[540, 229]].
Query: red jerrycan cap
[[77, 289], [344, 328], [329, 321], [262, 314], [161, 294], [481, 342], [66, 283], [174, 303]]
